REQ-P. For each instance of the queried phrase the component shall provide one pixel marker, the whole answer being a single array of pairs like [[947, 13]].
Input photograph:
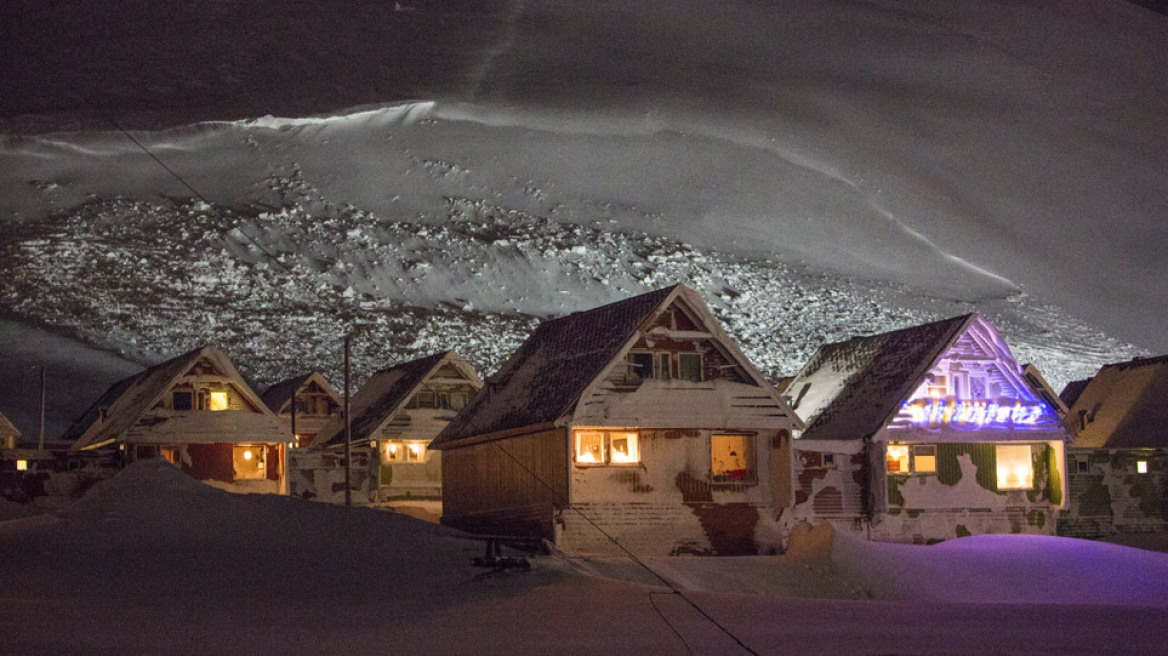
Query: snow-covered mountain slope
[[816, 169]]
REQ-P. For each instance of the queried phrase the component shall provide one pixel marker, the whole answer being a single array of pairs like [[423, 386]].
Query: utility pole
[[295, 442], [348, 431], [41, 441]]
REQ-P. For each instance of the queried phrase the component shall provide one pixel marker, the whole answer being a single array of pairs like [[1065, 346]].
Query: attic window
[[250, 462], [611, 447], [182, 401], [732, 458], [689, 367], [1015, 467], [217, 401]]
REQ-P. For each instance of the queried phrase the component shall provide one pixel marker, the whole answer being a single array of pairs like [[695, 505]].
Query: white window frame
[[607, 458]]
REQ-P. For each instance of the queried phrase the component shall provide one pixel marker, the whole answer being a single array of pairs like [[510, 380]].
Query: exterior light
[[372, 444]]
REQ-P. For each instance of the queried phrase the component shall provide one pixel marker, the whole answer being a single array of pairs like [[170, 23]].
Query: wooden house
[[305, 405], [8, 433], [197, 412], [396, 414], [1118, 456], [924, 434], [639, 422]]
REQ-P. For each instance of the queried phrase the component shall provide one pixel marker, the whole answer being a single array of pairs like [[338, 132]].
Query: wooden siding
[[1111, 496], [507, 486]]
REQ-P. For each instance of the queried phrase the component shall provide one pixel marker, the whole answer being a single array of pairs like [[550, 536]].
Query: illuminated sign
[[976, 414]]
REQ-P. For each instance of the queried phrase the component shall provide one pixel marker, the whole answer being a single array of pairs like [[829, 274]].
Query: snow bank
[[996, 569]]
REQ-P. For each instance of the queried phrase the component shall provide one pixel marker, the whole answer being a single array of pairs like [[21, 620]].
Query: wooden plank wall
[[508, 486]]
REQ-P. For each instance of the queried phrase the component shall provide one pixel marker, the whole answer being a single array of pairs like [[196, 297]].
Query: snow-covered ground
[[155, 562], [449, 172]]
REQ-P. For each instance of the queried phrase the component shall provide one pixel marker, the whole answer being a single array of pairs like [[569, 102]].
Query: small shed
[[1118, 457], [304, 405], [396, 414], [198, 413], [924, 434], [638, 422]]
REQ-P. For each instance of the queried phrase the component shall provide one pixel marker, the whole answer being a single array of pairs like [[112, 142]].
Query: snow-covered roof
[[550, 372], [1071, 392], [277, 396], [387, 391], [1125, 405], [128, 399], [209, 428], [849, 390]]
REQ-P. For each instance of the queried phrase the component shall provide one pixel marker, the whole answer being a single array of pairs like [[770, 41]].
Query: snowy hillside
[[155, 562], [446, 173]]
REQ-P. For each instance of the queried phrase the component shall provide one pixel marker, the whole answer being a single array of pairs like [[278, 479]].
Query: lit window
[[21, 465], [169, 453], [731, 458], [623, 448], [392, 452], [599, 447], [939, 386], [218, 401], [400, 451], [689, 367], [415, 452], [182, 401], [590, 447], [1141, 466], [249, 461], [1015, 467], [898, 459], [924, 458]]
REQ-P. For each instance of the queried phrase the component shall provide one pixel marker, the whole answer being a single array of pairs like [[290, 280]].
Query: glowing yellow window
[[392, 451], [924, 458], [1015, 467], [21, 465], [731, 458], [249, 462], [415, 452], [623, 448], [589, 447], [218, 401], [898, 459], [1141, 466]]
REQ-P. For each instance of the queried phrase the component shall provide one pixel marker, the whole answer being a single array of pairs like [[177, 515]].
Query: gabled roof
[[550, 372], [1125, 405], [128, 399], [6, 427], [277, 396], [384, 393], [849, 390], [1071, 392]]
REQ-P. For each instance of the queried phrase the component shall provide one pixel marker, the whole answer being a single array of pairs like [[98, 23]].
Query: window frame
[[190, 395], [911, 458], [261, 450], [751, 460], [606, 449], [998, 448], [701, 366]]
